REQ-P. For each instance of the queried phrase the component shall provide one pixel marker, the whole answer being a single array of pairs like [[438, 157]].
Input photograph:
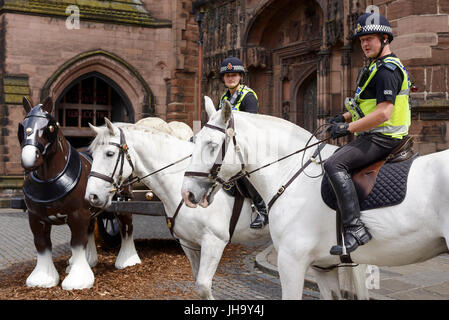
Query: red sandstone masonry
[[37, 46]]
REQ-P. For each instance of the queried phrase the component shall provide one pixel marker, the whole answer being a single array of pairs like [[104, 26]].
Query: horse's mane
[[103, 136], [292, 127]]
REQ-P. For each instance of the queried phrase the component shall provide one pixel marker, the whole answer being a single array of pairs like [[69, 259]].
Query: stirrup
[[260, 221]]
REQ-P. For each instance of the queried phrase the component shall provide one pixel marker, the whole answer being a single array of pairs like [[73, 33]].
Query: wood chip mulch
[[164, 273]]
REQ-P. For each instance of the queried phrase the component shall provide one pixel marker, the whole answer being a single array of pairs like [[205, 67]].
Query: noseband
[[123, 152], [213, 173]]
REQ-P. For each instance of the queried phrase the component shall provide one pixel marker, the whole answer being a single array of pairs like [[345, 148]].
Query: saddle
[[382, 183]]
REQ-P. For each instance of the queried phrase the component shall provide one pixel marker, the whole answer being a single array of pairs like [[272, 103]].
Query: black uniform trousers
[[361, 152]]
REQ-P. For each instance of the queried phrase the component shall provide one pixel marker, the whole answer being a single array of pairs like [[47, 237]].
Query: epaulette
[[390, 66]]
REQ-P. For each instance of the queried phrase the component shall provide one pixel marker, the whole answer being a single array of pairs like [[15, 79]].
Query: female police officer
[[242, 98], [379, 115]]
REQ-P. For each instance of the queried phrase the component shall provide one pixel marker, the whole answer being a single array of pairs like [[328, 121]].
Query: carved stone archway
[[131, 83], [280, 59]]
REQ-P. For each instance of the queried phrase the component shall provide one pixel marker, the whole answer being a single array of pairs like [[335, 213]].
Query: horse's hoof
[[78, 279], [42, 280], [128, 263]]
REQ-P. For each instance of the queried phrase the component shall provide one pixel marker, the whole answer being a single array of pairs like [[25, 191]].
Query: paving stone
[[242, 282], [417, 294]]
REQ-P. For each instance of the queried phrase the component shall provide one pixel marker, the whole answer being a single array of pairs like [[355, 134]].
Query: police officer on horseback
[[379, 116], [242, 98]]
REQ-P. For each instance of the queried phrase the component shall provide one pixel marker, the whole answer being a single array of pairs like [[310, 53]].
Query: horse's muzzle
[[189, 199], [31, 157]]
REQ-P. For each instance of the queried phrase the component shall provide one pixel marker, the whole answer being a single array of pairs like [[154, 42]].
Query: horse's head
[[37, 133], [207, 167], [111, 163]]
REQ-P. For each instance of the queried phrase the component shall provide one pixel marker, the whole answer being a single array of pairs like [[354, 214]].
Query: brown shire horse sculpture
[[54, 187]]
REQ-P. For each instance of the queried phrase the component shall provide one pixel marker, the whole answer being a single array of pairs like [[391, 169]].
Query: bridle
[[51, 137], [228, 184], [123, 153], [215, 170]]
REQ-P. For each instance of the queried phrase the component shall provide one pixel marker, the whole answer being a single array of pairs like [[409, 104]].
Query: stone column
[[323, 84]]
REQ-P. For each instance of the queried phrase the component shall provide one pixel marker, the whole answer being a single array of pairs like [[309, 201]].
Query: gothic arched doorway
[[306, 103], [89, 99]]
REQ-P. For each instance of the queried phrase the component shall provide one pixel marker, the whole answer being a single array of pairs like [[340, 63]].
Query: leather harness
[[120, 184], [46, 191], [213, 174], [123, 152]]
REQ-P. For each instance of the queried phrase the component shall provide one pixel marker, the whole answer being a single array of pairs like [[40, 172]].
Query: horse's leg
[[211, 252], [91, 249], [80, 275], [127, 255], [194, 256], [44, 274], [358, 274], [292, 270], [327, 283]]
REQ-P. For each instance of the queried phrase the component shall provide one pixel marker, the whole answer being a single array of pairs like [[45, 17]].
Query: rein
[[230, 133], [119, 186], [123, 149]]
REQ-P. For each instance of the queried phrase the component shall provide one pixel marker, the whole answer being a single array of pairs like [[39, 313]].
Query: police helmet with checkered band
[[373, 23], [232, 65]]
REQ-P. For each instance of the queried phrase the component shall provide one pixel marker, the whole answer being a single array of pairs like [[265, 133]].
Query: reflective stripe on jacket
[[243, 91], [399, 122]]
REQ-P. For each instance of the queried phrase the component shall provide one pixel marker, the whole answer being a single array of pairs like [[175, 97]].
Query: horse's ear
[[27, 105], [210, 108], [226, 111], [111, 127], [94, 128], [47, 105]]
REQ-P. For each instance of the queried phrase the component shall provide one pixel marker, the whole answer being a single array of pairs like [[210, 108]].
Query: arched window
[[90, 99]]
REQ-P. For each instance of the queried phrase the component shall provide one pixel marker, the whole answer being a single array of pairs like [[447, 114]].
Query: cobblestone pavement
[[247, 282]]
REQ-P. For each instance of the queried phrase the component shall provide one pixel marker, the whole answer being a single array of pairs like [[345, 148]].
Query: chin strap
[[382, 46]]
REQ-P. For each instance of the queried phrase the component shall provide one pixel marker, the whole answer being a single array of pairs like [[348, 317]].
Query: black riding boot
[[261, 209], [355, 233], [259, 205]]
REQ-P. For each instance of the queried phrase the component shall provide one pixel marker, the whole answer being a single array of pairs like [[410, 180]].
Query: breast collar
[[46, 191]]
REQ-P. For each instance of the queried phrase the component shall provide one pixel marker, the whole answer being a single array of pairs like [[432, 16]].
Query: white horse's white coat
[[205, 229], [302, 227], [181, 130]]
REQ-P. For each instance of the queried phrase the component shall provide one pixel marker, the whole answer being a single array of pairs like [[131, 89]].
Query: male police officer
[[242, 98], [379, 115]]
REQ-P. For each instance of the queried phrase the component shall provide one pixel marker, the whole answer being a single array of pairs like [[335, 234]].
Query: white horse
[[302, 226], [128, 255], [203, 233]]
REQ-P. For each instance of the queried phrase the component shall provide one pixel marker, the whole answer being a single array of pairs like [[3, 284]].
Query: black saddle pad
[[389, 190]]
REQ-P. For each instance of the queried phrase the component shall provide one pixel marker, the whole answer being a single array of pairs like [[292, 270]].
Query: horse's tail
[[353, 282]]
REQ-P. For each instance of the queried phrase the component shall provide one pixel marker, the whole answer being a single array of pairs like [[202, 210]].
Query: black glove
[[339, 129], [337, 118]]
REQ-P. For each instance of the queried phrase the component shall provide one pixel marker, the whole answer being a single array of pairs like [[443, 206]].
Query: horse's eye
[[109, 153]]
